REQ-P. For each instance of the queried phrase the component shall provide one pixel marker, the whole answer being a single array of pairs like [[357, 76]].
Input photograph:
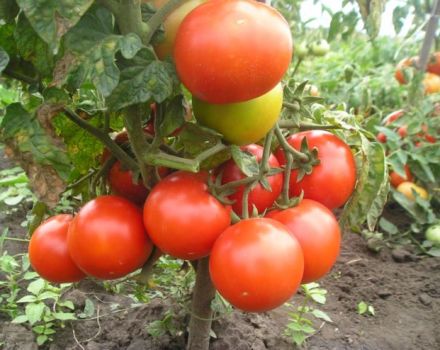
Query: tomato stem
[[147, 269], [245, 200], [298, 63], [264, 165], [286, 181], [102, 173], [201, 315], [290, 124], [297, 155]]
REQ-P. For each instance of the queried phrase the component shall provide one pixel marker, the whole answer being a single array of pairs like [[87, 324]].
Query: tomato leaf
[[51, 19], [4, 59], [173, 117], [370, 195], [8, 10], [95, 46], [419, 209], [247, 162], [194, 139]]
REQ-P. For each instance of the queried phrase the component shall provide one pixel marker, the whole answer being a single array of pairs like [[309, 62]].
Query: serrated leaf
[[51, 19], [36, 287], [372, 187], [95, 45], [321, 315], [4, 59], [34, 312], [247, 162]]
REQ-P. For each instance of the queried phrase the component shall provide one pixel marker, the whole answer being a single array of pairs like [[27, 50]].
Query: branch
[[290, 124], [429, 37], [112, 5], [18, 76], [288, 148]]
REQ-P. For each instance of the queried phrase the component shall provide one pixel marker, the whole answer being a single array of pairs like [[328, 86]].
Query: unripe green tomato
[[432, 234], [348, 73], [320, 48], [241, 123], [301, 50]]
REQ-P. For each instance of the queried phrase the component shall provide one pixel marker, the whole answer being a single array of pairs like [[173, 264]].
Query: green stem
[[290, 124], [147, 269], [129, 19], [114, 148], [286, 182], [237, 183], [288, 148], [298, 63], [16, 239], [85, 177], [102, 173], [293, 106], [264, 165], [245, 201], [112, 5], [39, 210], [18, 76], [210, 152]]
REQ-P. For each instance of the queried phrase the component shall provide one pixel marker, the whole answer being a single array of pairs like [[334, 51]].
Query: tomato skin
[[407, 187], [396, 179], [434, 63], [182, 218], [392, 117], [431, 82], [318, 233], [433, 234], [403, 131], [258, 196], [332, 181], [48, 252], [222, 50], [256, 264], [320, 48], [107, 238], [381, 137], [245, 122]]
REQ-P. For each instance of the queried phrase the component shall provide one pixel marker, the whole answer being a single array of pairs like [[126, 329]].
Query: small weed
[[365, 309]]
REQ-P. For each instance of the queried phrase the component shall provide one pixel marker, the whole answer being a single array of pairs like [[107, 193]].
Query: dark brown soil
[[405, 296]]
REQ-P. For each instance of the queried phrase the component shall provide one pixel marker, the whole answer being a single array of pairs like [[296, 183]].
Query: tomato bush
[[256, 264], [182, 218], [332, 181], [222, 50], [107, 238], [48, 253], [317, 231]]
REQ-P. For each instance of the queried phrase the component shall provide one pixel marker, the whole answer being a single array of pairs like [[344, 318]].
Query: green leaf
[[335, 26], [298, 337], [48, 295], [400, 14], [174, 116], [388, 226], [322, 315], [194, 139], [36, 286], [95, 45], [370, 195], [27, 299], [8, 10], [34, 312], [420, 209], [64, 316], [32, 48], [89, 309], [68, 304], [246, 161], [371, 12], [319, 298], [30, 137], [41, 339], [51, 19], [20, 319], [362, 308], [4, 59], [434, 251]]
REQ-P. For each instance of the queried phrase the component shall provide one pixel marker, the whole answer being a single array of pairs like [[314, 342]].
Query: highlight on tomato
[[318, 233], [48, 253], [332, 181], [256, 264], [182, 218], [107, 238], [232, 51]]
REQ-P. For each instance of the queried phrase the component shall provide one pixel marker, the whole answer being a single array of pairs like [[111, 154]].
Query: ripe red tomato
[[48, 252], [261, 198], [381, 137], [256, 264], [332, 181], [393, 116], [403, 131], [232, 51], [405, 63], [434, 63], [182, 218], [396, 179], [317, 231], [107, 238]]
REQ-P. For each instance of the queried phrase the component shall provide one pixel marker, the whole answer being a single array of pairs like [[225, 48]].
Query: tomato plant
[[48, 253], [182, 218], [332, 181], [223, 47], [259, 197], [107, 238], [244, 122], [256, 264]]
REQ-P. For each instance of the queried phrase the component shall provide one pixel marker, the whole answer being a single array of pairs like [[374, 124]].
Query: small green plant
[[301, 321], [14, 189], [166, 325], [365, 309]]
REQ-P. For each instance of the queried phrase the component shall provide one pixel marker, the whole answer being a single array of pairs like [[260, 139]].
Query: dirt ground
[[404, 290]]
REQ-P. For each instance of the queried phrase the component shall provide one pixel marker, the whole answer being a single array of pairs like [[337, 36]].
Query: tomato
[[301, 50], [258, 196], [171, 25], [407, 188], [403, 131], [381, 137], [182, 218], [396, 179], [433, 234], [320, 48], [332, 181], [317, 231], [107, 238], [403, 64], [393, 116], [232, 51], [244, 122], [431, 82], [312, 89], [48, 252], [434, 63], [256, 264]]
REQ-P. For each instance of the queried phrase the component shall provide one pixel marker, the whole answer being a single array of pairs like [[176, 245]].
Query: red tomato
[[272, 213], [393, 116], [182, 218], [381, 137], [403, 131], [332, 181], [405, 63], [431, 82], [107, 238], [232, 51], [317, 231], [434, 63], [48, 252], [256, 264], [261, 198], [396, 179]]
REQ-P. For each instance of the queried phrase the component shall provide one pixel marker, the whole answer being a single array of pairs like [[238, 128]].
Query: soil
[[404, 290]]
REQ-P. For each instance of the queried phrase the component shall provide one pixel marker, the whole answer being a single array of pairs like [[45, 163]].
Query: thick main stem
[[429, 36], [201, 316]]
